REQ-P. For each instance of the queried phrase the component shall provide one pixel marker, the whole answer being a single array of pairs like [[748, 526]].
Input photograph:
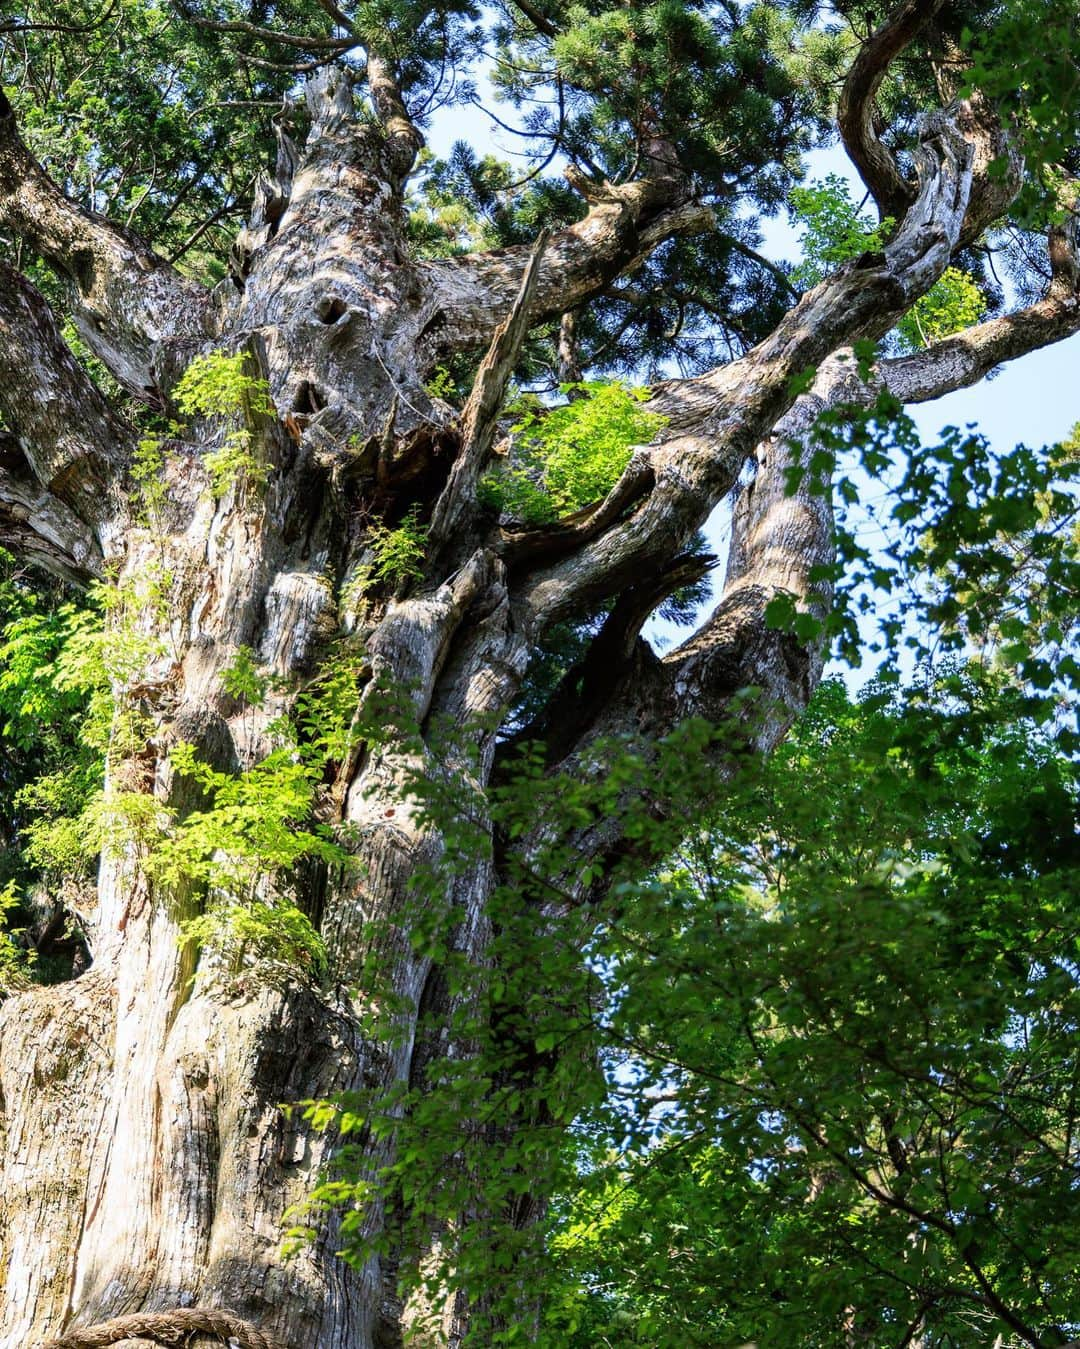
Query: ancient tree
[[147, 1163]]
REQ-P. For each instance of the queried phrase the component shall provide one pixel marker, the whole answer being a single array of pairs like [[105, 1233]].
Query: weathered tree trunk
[[147, 1162]]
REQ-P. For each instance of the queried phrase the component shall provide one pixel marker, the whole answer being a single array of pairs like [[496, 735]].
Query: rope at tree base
[[169, 1328]]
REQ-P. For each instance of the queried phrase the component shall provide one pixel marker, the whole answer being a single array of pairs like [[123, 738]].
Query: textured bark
[[130, 301], [146, 1162], [855, 111]]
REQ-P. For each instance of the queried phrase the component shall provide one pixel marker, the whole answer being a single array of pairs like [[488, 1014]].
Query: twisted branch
[[963, 359], [130, 299], [855, 111]]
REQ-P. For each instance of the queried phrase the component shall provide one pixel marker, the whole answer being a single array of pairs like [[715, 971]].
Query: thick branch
[[471, 295], [404, 141], [271, 200], [329, 222], [715, 421], [855, 111], [37, 527], [69, 436], [539, 20], [962, 360], [614, 659], [735, 671], [130, 300], [568, 352], [781, 541]]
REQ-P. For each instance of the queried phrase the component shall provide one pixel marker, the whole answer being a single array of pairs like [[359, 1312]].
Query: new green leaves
[[570, 456], [953, 303], [217, 385], [834, 230]]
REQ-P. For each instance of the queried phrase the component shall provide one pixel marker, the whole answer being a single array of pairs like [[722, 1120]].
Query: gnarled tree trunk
[[147, 1162]]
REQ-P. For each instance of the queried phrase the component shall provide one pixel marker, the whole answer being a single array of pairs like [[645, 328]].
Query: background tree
[[274, 455], [841, 1049]]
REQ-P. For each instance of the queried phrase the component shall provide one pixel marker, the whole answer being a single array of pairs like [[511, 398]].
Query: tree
[[854, 1123], [281, 465]]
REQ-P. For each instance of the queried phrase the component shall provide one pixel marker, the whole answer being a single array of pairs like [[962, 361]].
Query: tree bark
[[147, 1162]]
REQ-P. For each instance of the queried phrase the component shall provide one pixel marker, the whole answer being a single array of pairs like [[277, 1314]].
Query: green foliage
[[59, 668], [1026, 62], [398, 554], [984, 553], [16, 963], [217, 385], [147, 473], [57, 701], [517, 1015], [739, 95], [570, 456], [870, 956], [139, 115], [243, 679], [841, 1048], [273, 936], [836, 1035], [250, 828], [251, 837], [68, 663], [835, 232], [834, 229], [442, 384], [392, 556], [250, 831], [954, 302], [328, 720]]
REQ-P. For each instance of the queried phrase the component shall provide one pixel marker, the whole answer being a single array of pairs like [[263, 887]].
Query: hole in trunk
[[82, 269], [309, 400], [330, 308]]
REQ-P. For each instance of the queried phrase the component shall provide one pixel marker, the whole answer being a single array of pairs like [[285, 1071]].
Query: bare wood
[[130, 299], [69, 435], [38, 526], [479, 420], [623, 225]]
